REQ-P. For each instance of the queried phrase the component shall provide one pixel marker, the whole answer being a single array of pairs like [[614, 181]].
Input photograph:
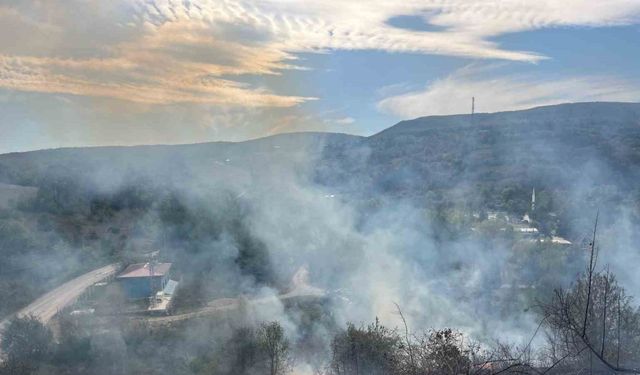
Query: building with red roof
[[143, 280]]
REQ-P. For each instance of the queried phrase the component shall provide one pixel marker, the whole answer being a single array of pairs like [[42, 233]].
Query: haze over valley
[[439, 222]]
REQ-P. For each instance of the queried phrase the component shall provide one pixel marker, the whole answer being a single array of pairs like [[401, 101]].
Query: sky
[[127, 72]]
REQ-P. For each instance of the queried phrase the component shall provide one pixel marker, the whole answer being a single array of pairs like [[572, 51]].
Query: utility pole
[[152, 267]]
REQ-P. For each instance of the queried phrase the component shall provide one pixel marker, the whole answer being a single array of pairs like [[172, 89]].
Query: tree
[[108, 353], [276, 348], [26, 341], [442, 352], [609, 334], [242, 351], [371, 350], [588, 320], [376, 350], [248, 351], [73, 342]]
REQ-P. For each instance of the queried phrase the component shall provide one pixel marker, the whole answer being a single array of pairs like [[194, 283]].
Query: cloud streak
[[199, 51], [452, 94]]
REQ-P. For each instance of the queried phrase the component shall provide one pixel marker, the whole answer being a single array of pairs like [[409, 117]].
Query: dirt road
[[300, 290], [45, 307], [216, 307]]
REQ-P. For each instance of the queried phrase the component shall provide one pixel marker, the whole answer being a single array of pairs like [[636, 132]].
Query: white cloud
[[340, 121], [170, 51], [466, 25], [452, 95]]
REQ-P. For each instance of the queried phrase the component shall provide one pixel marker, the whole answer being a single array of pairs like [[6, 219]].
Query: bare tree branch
[[590, 275], [604, 312], [406, 336]]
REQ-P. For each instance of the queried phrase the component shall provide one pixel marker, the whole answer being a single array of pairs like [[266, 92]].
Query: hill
[[489, 157], [554, 146]]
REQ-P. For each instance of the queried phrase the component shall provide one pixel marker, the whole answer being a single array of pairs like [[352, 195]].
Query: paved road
[[45, 307]]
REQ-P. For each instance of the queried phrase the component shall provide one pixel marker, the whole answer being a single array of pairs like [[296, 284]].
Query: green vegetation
[[249, 351], [26, 340]]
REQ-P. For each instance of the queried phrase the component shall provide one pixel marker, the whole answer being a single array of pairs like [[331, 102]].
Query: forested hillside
[[435, 203], [491, 157]]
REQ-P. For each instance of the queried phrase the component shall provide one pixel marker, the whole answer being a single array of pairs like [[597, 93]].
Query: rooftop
[[143, 270]]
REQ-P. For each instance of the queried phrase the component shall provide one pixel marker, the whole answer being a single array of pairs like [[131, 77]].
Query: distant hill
[[553, 145], [215, 159], [491, 157], [568, 114]]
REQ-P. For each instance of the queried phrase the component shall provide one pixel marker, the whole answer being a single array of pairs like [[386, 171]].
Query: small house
[[143, 280]]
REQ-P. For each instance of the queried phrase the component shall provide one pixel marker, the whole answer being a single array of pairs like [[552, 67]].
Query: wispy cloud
[[172, 63], [168, 51], [340, 121], [465, 25], [493, 93]]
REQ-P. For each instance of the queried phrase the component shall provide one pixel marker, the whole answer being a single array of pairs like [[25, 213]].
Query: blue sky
[[89, 73], [355, 81]]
